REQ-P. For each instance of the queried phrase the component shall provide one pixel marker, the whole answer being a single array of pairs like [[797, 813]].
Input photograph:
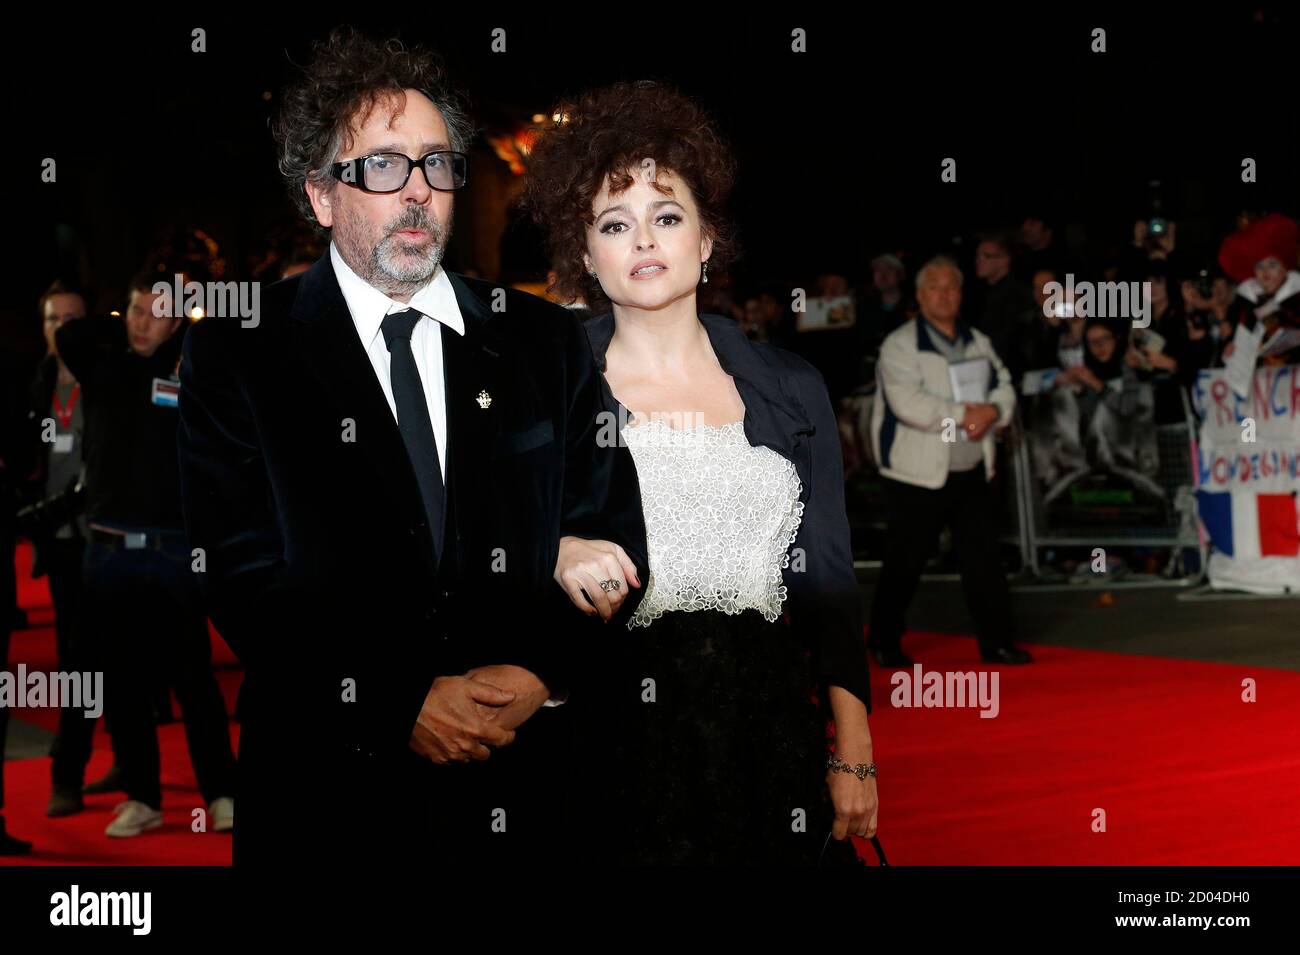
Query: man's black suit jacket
[[319, 568]]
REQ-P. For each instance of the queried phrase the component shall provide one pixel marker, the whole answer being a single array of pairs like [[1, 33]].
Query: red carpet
[[80, 839], [1187, 773]]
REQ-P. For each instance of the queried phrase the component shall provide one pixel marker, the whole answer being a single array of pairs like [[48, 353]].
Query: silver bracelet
[[861, 770]]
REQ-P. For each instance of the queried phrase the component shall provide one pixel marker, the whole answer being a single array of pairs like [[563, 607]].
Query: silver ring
[[608, 585]]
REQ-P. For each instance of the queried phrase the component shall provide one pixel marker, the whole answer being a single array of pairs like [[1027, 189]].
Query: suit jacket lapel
[[326, 337], [472, 372]]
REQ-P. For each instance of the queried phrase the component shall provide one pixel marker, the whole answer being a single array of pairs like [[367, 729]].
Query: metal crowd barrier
[[1177, 530], [1030, 528]]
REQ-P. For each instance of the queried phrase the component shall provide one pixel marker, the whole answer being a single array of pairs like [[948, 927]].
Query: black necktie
[[413, 417]]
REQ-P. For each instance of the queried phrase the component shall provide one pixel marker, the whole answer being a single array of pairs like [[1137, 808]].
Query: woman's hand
[[855, 804], [583, 564], [854, 799]]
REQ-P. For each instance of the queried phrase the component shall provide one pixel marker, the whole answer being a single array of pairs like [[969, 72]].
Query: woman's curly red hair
[[606, 133]]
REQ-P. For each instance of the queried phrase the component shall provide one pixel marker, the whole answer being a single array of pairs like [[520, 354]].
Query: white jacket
[[914, 401]]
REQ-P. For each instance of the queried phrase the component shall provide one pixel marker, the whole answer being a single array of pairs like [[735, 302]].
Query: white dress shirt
[[436, 301]]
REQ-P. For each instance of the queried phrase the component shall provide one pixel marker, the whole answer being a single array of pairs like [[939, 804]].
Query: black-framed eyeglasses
[[444, 170]]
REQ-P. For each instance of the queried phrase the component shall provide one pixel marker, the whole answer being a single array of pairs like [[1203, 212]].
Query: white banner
[[1248, 478]]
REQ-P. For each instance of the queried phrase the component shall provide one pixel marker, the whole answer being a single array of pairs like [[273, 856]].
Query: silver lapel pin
[[484, 399]]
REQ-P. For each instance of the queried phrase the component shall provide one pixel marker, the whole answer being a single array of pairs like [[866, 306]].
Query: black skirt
[[720, 746]]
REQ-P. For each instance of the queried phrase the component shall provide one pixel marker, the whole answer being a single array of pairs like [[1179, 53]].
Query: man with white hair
[[942, 393]]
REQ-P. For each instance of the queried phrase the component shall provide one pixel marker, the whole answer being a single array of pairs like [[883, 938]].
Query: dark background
[[839, 148]]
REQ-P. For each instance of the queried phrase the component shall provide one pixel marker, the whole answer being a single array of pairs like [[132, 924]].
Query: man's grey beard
[[387, 267]]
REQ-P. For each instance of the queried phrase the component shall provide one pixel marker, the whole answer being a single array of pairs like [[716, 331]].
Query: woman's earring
[[705, 272]]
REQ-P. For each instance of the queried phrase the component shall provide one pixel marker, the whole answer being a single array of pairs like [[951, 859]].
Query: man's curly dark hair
[[349, 75], [609, 132]]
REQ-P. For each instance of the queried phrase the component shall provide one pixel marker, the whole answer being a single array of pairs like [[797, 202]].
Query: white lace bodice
[[720, 517]]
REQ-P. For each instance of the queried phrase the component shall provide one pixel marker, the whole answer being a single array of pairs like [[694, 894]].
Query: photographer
[[141, 595], [1171, 351], [1207, 296], [1009, 315], [57, 529]]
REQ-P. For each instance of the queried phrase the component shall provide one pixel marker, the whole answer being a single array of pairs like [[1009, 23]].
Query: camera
[[1204, 283], [40, 520]]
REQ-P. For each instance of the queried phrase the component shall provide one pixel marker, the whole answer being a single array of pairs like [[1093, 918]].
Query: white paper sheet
[[1240, 365], [970, 380]]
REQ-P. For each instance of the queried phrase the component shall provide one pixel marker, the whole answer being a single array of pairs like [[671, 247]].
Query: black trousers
[[304, 804], [965, 503], [62, 558], [144, 607]]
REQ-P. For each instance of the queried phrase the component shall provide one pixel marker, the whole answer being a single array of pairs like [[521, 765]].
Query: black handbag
[[845, 848]]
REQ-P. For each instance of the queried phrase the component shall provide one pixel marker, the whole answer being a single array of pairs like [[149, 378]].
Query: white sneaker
[[133, 817], [222, 814]]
